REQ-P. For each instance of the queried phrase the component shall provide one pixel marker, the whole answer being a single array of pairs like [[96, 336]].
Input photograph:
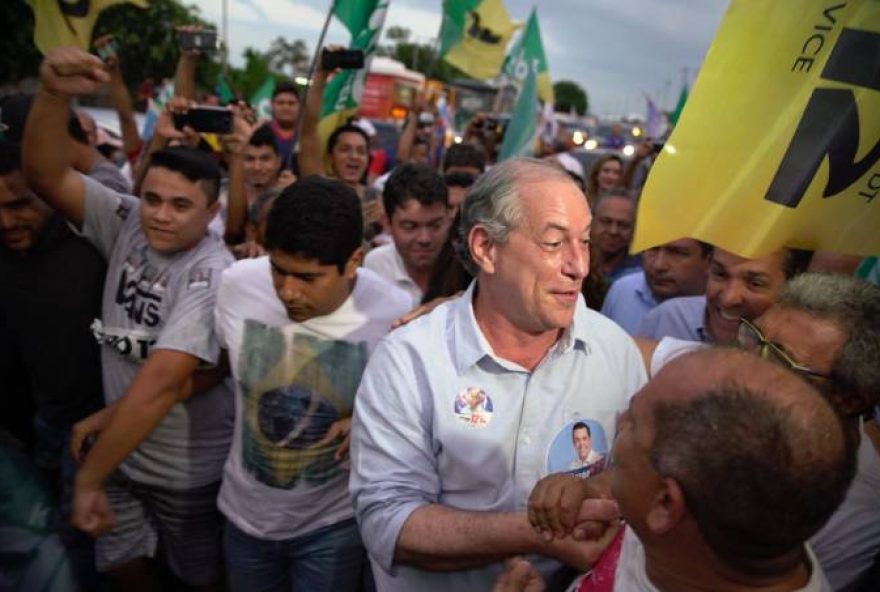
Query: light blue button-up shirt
[[681, 318], [628, 301], [439, 419]]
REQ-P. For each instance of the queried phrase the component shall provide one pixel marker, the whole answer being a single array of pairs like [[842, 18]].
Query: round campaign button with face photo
[[580, 449], [473, 407]]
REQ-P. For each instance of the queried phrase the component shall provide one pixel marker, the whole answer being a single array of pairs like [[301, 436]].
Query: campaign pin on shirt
[[473, 407]]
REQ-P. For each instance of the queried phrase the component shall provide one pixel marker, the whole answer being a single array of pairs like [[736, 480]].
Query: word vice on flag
[[779, 143]]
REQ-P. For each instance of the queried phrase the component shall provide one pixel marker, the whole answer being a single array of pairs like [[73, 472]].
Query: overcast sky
[[617, 50]]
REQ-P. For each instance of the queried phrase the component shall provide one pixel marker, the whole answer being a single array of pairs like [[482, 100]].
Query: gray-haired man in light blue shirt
[[457, 414]]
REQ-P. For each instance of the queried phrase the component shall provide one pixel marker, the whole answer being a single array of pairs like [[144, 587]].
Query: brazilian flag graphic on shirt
[[294, 387]]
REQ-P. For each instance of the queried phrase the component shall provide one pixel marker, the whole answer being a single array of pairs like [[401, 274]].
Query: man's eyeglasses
[[750, 338]]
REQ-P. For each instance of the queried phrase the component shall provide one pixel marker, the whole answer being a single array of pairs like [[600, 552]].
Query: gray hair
[[854, 304], [493, 202]]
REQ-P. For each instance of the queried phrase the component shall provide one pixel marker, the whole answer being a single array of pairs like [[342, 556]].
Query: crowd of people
[[254, 361]]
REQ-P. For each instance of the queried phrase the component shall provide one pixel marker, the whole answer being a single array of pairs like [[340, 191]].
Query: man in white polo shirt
[[416, 204]]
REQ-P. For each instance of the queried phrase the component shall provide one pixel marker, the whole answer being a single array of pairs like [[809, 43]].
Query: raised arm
[[236, 203], [121, 100], [185, 75], [408, 135], [47, 158], [163, 134], [311, 153]]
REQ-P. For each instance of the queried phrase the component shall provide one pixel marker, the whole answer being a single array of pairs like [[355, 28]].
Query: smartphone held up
[[205, 119]]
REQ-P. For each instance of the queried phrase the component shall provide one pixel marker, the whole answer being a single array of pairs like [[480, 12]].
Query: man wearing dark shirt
[[52, 282]]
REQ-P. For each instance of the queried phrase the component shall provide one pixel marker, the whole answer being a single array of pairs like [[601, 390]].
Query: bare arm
[[163, 381], [47, 155], [121, 100], [163, 133], [408, 136], [440, 538], [646, 348], [185, 75], [310, 150], [236, 203]]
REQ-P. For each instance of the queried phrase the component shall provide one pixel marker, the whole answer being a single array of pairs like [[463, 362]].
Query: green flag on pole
[[519, 137], [527, 54], [682, 99], [261, 100], [364, 20]]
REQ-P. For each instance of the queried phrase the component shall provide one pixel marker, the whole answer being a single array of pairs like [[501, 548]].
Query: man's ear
[[214, 207], [355, 261], [482, 248], [667, 508]]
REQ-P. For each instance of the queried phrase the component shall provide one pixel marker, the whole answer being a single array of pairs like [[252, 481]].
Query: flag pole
[[225, 8], [315, 57]]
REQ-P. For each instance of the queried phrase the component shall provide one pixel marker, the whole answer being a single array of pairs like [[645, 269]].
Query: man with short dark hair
[[285, 114], [612, 232], [587, 461], [416, 203], [462, 165], [737, 287], [677, 268], [262, 163], [156, 329], [298, 326], [50, 368]]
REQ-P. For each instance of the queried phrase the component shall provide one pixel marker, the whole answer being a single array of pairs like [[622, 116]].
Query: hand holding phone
[[197, 40], [344, 59], [205, 119]]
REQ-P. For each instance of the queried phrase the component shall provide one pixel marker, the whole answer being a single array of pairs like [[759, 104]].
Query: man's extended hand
[[562, 505], [85, 428], [72, 71], [581, 554], [91, 511], [519, 576], [339, 429]]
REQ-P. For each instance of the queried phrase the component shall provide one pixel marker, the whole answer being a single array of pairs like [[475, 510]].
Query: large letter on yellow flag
[[68, 22], [474, 35], [779, 143]]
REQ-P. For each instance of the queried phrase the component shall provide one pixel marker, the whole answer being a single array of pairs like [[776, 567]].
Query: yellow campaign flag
[[475, 35], [68, 22], [779, 143]]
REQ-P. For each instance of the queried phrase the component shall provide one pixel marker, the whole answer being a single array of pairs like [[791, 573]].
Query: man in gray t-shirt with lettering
[[168, 422]]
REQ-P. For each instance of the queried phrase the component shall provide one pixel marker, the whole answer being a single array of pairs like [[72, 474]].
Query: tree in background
[[569, 95], [19, 57], [289, 58], [149, 49]]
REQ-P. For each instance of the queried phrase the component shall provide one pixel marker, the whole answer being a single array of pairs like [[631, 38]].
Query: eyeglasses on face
[[750, 338]]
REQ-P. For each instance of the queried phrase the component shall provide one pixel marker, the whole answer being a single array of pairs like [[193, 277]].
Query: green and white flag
[[519, 137], [364, 20], [261, 100], [527, 55]]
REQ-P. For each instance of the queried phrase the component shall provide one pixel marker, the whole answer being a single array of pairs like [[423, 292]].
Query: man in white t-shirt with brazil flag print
[[299, 325]]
